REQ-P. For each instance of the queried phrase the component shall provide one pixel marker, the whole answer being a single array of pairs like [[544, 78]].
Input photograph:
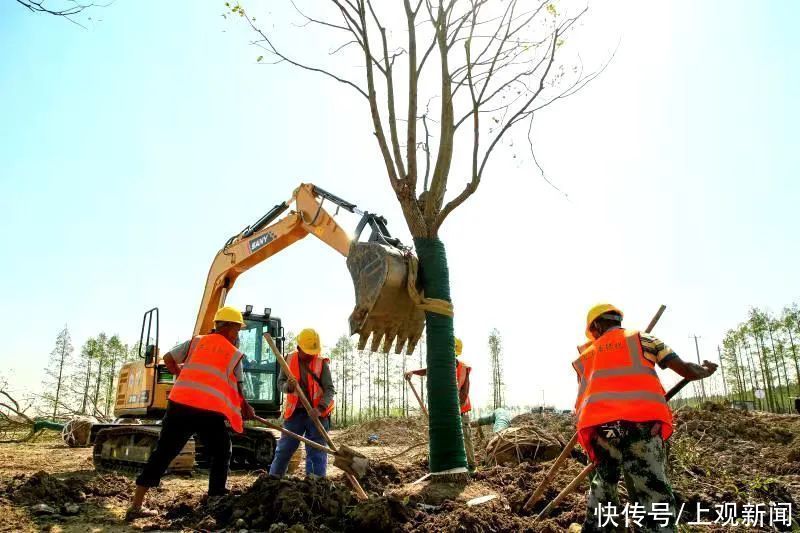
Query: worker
[[623, 418], [462, 380], [312, 374], [207, 392]]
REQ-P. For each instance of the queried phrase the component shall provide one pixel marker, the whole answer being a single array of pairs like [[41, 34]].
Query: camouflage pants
[[635, 450], [468, 441]]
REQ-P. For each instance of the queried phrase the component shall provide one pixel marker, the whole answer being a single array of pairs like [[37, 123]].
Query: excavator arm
[[383, 271]]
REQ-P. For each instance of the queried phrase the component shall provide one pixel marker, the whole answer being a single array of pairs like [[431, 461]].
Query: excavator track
[[252, 450], [127, 448]]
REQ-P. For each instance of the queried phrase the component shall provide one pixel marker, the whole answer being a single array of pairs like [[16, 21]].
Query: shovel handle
[[294, 435], [313, 414], [548, 478], [554, 468], [676, 389], [655, 319], [566, 492], [421, 403]]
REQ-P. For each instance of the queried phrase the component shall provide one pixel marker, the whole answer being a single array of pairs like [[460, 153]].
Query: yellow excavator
[[387, 310]]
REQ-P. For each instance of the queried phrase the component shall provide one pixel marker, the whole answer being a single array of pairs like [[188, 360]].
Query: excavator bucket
[[386, 309]]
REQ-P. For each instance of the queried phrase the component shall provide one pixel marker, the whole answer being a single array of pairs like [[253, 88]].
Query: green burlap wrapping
[[446, 438]]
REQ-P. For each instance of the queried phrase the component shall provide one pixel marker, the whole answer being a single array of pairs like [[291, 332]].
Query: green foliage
[[761, 353], [56, 373]]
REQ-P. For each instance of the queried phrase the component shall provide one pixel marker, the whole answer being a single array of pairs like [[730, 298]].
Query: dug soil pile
[[385, 432], [717, 455]]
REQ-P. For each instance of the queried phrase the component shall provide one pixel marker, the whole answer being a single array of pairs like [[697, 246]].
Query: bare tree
[[60, 361], [15, 424], [496, 355], [439, 79]]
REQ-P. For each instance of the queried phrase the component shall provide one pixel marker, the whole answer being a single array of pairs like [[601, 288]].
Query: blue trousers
[[316, 460]]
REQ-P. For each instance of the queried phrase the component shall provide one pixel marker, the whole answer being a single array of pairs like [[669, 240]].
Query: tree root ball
[[76, 432]]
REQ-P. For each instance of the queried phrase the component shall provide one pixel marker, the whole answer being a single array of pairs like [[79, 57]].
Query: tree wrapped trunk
[[446, 438]]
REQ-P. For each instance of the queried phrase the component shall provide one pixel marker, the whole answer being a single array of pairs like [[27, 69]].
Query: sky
[[132, 149]]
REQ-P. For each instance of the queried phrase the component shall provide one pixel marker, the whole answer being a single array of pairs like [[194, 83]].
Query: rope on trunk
[[433, 305]]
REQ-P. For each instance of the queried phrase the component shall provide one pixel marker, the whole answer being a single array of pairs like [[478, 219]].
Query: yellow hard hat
[[229, 314], [308, 341], [459, 346], [595, 312]]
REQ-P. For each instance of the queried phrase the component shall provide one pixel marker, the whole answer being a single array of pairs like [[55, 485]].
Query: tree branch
[[472, 185], [388, 66], [446, 128], [273, 50], [411, 133]]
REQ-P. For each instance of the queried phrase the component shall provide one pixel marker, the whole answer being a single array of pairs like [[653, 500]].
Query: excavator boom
[[382, 269]]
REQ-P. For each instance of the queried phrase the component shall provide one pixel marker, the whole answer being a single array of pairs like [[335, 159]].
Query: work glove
[[710, 367]]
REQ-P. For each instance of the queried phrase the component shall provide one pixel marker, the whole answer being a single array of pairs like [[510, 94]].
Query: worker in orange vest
[[463, 371], [623, 420], [312, 374], [207, 393]]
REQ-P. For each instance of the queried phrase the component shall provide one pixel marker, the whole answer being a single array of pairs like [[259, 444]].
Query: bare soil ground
[[717, 455]]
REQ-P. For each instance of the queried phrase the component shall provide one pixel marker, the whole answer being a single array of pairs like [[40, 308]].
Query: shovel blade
[[351, 461]]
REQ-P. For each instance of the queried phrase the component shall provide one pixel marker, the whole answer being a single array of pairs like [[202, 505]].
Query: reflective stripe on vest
[[315, 391], [462, 371], [616, 382], [207, 379]]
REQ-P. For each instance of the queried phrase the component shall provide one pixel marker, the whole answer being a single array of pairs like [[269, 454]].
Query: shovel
[[312, 412], [345, 458], [421, 403], [548, 478]]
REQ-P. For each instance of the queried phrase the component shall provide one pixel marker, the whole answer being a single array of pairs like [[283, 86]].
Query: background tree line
[[372, 384], [760, 362], [83, 383]]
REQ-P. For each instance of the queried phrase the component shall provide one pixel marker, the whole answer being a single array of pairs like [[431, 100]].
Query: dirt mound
[[383, 475], [41, 487], [389, 432], [316, 504], [735, 425], [560, 425], [489, 518]]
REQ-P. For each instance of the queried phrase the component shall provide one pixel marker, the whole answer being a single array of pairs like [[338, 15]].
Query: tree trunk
[[97, 384], [60, 374], [794, 356], [446, 438], [781, 359], [753, 375], [86, 385], [369, 387], [111, 372]]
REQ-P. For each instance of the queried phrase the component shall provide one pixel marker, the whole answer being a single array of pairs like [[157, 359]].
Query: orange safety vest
[[314, 390], [616, 382], [207, 380], [462, 371]]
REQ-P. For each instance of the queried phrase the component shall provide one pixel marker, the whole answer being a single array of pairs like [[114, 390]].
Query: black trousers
[[180, 423]]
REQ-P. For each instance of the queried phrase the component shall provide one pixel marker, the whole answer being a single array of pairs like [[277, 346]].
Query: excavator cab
[[259, 365]]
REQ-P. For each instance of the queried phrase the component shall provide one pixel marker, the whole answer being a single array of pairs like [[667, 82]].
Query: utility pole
[[697, 350], [722, 369]]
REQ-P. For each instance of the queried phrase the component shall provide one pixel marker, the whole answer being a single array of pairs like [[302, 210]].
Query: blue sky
[[132, 150]]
